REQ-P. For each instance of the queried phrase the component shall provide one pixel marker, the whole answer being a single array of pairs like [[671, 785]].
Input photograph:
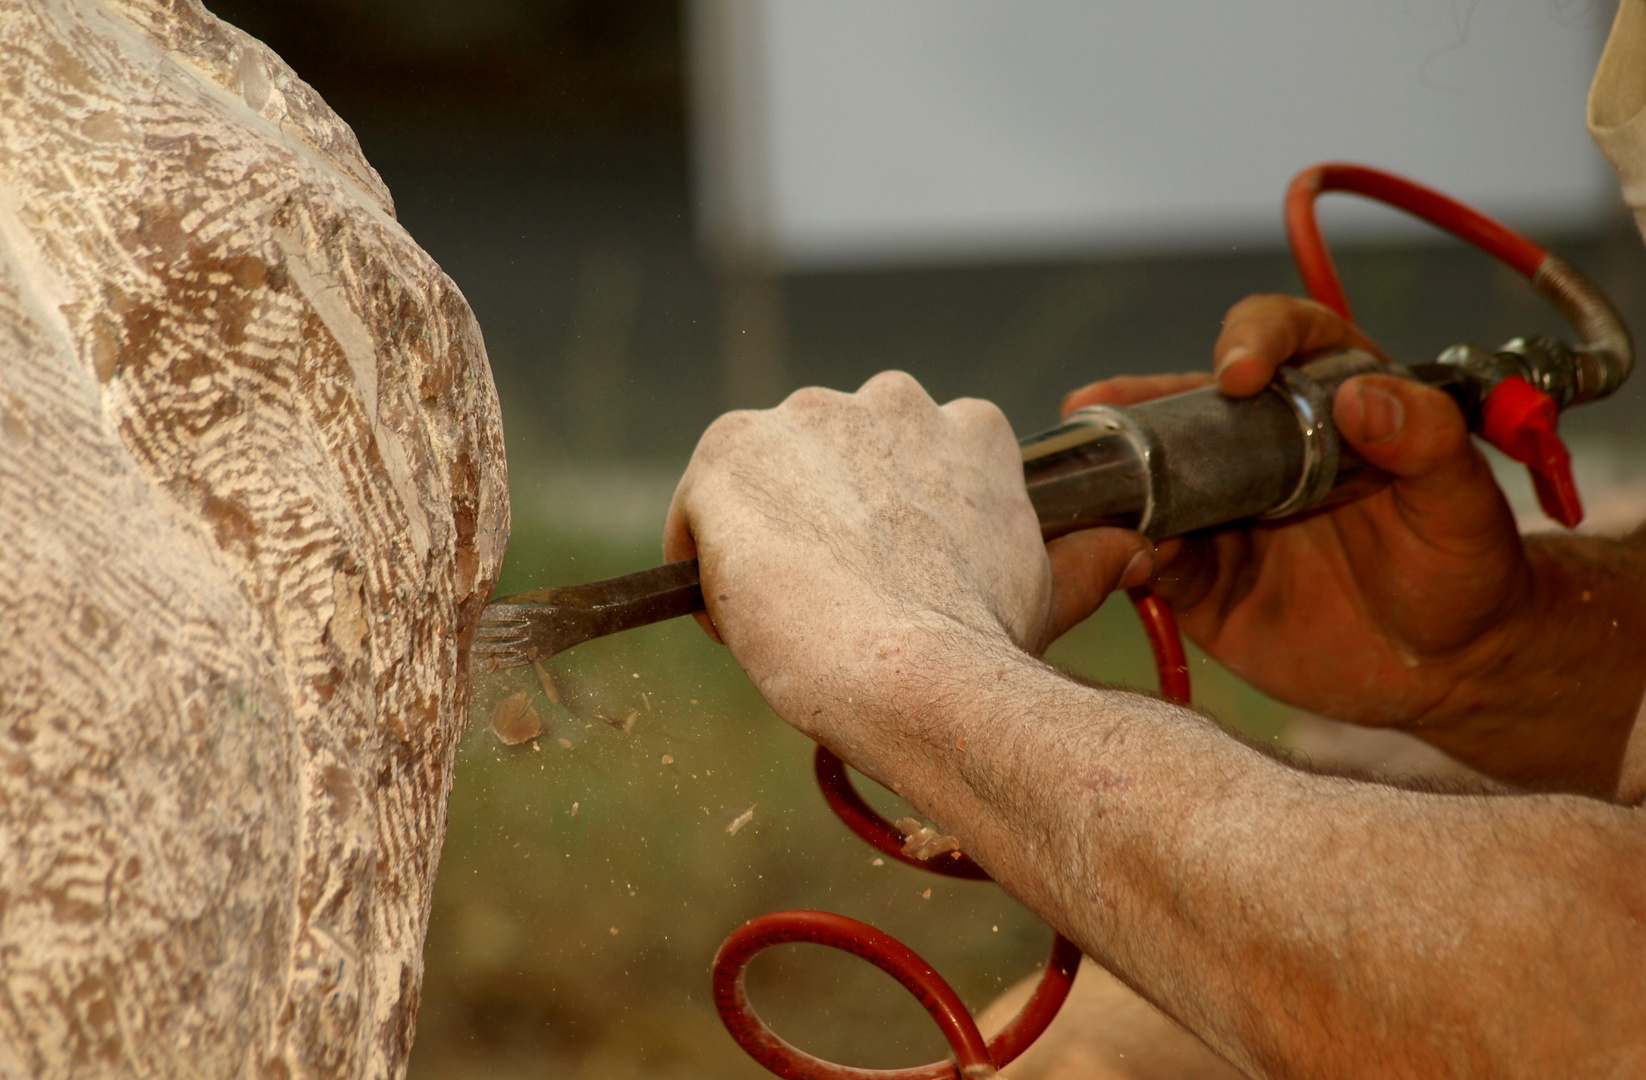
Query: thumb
[[1417, 434], [1086, 567]]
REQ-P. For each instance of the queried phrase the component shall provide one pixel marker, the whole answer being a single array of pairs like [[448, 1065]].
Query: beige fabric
[[1617, 103], [1617, 120]]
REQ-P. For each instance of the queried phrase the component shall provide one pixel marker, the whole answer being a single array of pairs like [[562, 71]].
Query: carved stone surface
[[252, 499]]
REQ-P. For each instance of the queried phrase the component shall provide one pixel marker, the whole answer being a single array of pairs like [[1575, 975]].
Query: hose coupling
[[1599, 366]]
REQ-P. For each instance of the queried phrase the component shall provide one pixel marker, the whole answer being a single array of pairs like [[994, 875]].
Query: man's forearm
[[1301, 924]]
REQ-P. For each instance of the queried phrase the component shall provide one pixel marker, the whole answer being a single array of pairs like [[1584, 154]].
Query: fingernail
[[1231, 358], [1139, 570], [1381, 414]]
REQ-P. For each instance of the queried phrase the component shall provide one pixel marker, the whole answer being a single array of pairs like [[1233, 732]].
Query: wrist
[[1550, 694], [937, 714], [919, 689]]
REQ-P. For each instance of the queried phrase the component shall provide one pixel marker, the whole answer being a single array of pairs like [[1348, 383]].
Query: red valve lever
[[1520, 420]]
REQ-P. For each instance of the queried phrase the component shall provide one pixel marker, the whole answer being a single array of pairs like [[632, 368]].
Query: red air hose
[[1518, 420], [1516, 417], [1314, 262], [973, 1058]]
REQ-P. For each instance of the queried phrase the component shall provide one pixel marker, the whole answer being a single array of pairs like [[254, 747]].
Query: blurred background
[[661, 209]]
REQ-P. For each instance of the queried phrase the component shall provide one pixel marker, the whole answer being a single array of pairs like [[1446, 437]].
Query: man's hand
[[835, 527], [1417, 607], [1402, 594]]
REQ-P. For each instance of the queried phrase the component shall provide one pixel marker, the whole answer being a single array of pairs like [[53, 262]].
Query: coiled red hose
[[974, 1059]]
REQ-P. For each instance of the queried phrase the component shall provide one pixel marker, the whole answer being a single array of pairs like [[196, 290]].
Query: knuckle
[[729, 425], [976, 411], [983, 423], [1315, 308], [1266, 312], [897, 385], [981, 415], [811, 399], [1249, 306], [725, 433]]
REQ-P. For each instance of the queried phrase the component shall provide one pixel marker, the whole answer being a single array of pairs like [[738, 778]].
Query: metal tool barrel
[[1197, 459]]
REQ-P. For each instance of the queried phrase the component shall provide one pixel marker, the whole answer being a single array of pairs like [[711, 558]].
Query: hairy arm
[[1303, 925]]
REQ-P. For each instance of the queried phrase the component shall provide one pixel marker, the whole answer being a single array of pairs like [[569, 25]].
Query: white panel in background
[[833, 133]]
